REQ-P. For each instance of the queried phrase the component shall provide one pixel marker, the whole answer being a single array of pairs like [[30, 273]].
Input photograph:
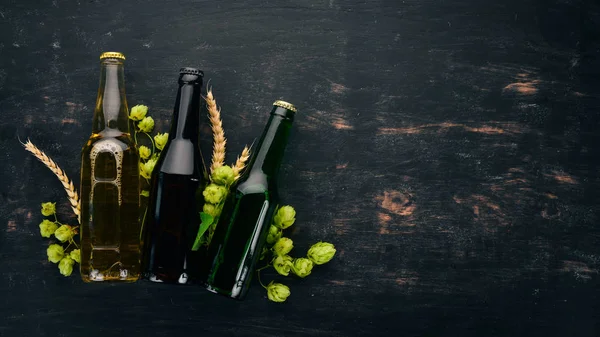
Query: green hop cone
[[302, 267], [210, 209], [274, 235], [278, 292], [284, 217], [147, 168], [146, 124], [283, 246], [145, 152], [138, 112], [64, 233], [47, 228], [66, 266], [142, 171], [223, 175], [214, 193], [160, 140], [282, 264], [55, 253], [76, 255], [48, 208], [321, 252]]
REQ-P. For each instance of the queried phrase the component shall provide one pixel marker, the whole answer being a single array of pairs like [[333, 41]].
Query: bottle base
[[221, 292], [182, 279], [120, 275], [130, 279]]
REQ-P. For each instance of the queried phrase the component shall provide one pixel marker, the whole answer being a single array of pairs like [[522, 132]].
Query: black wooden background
[[448, 148]]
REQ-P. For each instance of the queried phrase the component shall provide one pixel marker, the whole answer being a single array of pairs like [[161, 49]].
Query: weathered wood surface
[[448, 148]]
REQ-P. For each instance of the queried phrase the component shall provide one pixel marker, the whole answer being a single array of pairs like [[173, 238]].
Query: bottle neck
[[271, 146], [186, 117], [111, 112]]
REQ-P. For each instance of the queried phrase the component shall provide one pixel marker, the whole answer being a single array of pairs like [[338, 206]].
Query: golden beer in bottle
[[110, 196]]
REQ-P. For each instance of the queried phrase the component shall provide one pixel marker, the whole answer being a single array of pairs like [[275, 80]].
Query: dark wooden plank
[[448, 148]]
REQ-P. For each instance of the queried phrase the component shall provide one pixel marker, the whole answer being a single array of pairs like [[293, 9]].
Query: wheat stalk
[[60, 174], [240, 163], [219, 140]]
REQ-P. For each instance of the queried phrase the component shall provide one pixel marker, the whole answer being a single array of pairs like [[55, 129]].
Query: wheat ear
[[219, 141], [240, 163], [60, 174]]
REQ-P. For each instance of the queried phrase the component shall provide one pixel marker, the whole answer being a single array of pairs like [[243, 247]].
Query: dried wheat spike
[[240, 163], [219, 141], [60, 174]]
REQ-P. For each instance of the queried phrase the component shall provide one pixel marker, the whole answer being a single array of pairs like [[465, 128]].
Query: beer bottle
[[172, 219], [110, 196], [244, 223]]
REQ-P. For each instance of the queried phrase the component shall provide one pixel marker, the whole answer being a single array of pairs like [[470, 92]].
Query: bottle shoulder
[[180, 156], [255, 183], [119, 143]]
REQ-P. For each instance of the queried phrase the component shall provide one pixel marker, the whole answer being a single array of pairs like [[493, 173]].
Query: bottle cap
[[191, 71], [112, 55], [285, 105]]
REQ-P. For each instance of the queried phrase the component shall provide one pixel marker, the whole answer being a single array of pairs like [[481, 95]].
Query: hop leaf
[[76, 255], [274, 235], [283, 246], [66, 266], [206, 220], [282, 264], [160, 140], [223, 175], [302, 267], [138, 112], [64, 233], [146, 124], [278, 292], [284, 217], [147, 168], [321, 252], [55, 253], [47, 228], [48, 208], [145, 152], [214, 193]]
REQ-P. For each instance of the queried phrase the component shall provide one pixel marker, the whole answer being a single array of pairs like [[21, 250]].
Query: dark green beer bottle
[[247, 213]]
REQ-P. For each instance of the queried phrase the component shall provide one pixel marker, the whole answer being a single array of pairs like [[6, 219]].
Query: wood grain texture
[[448, 148]]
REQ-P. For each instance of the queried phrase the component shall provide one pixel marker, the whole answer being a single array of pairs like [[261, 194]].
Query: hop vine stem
[[152, 141], [258, 276]]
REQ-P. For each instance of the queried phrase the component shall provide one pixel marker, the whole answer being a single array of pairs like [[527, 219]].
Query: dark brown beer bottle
[[172, 219]]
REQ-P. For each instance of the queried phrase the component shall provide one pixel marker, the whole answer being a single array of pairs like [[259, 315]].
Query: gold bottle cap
[[285, 105], [112, 55]]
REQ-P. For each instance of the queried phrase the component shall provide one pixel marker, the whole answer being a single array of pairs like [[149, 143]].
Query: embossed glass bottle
[[244, 223], [172, 219], [110, 226]]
